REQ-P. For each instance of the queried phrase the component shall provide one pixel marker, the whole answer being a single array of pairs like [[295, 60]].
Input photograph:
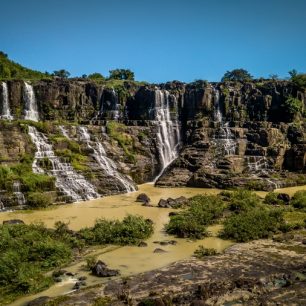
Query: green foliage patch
[[202, 211]]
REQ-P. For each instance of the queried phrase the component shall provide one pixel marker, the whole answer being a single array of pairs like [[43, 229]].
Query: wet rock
[[304, 241], [40, 301], [76, 286], [58, 273], [173, 213], [100, 269], [143, 198], [163, 243], [163, 203], [284, 197], [142, 244], [70, 274], [172, 203], [57, 279], [13, 221], [158, 250], [82, 278]]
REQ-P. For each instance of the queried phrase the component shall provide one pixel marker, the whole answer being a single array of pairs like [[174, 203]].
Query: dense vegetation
[[202, 211], [12, 70], [28, 251], [244, 215], [131, 230]]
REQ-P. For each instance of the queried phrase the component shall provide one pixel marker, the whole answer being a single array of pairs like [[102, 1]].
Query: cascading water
[[31, 109], [6, 112], [224, 133], [168, 135], [259, 166], [72, 184], [104, 162], [256, 163], [18, 194], [64, 132]]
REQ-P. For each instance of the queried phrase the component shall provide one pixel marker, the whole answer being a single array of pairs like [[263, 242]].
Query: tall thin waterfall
[[224, 133], [31, 109], [6, 112], [72, 184], [168, 135], [104, 162]]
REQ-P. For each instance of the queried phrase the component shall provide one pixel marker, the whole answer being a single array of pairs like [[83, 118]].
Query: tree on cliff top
[[298, 79], [96, 76], [121, 74], [237, 75], [62, 73]]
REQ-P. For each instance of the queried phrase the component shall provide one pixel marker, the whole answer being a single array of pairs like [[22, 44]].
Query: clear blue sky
[[160, 40]]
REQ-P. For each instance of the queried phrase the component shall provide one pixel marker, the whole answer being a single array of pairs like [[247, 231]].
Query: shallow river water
[[128, 259]]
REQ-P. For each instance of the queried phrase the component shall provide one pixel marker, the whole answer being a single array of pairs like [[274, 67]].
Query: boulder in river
[[173, 203], [143, 198], [142, 244], [13, 221], [100, 269], [158, 250]]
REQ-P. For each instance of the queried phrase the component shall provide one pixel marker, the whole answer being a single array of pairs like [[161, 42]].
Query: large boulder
[[172, 203], [143, 198], [100, 269]]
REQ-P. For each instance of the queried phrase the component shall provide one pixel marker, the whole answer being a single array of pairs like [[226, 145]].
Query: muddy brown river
[[128, 259]]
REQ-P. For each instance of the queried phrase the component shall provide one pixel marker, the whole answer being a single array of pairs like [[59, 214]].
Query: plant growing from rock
[[202, 252]]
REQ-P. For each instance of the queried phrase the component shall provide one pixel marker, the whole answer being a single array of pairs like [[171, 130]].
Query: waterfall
[[18, 194], [104, 162], [256, 163], [259, 166], [71, 183], [64, 132], [168, 134], [6, 112], [224, 133], [31, 109]]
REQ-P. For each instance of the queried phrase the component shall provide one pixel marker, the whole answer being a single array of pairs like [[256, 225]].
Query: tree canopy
[[95, 76], [237, 75], [121, 74], [62, 73]]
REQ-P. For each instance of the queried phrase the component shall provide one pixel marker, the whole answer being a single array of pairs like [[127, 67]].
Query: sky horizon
[[158, 40]]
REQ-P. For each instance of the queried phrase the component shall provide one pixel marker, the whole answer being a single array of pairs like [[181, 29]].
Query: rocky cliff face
[[231, 134]]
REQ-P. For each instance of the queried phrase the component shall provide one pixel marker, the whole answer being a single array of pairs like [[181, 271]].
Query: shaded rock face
[[101, 270], [249, 118]]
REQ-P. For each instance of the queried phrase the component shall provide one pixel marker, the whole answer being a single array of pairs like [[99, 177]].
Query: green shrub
[[271, 198], [299, 79], [203, 210], [186, 226], [299, 200], [252, 224], [292, 107], [202, 252], [39, 199], [26, 252], [243, 200], [206, 209], [131, 230]]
